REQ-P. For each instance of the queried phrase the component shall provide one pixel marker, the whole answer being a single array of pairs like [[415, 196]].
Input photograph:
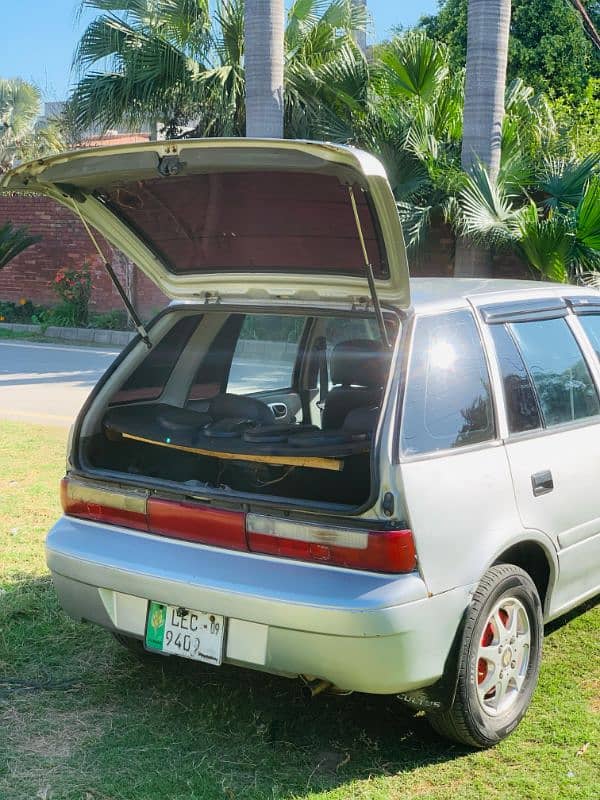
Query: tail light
[[379, 551], [390, 551], [99, 504], [196, 523]]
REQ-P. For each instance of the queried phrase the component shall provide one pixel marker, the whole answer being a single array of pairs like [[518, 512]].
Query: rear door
[[553, 410], [238, 219]]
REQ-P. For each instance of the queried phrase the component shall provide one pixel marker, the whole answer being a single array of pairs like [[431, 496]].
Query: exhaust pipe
[[315, 686]]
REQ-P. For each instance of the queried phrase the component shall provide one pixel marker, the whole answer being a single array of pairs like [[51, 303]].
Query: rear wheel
[[498, 660]]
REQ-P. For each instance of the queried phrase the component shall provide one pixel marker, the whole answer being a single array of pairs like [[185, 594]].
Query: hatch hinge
[[369, 271], [361, 304], [211, 298]]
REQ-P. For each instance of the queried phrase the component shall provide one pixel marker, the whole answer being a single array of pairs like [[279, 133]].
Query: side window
[[265, 353], [558, 369], [448, 397], [148, 381], [521, 403], [591, 325]]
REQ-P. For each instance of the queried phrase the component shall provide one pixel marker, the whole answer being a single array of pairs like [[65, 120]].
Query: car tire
[[498, 660]]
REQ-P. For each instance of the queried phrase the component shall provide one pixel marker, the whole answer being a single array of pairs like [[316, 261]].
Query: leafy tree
[[548, 47], [577, 118]]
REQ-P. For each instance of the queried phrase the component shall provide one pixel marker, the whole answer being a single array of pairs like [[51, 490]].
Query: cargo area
[[282, 405]]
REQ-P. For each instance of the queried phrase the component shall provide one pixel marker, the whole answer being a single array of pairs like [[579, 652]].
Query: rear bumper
[[361, 631]]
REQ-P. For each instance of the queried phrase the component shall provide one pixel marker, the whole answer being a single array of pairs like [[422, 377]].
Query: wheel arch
[[535, 554]]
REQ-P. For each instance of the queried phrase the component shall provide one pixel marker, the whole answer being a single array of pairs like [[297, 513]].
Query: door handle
[[542, 482], [280, 410]]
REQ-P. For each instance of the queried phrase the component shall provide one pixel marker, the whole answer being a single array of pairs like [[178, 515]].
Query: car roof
[[442, 294]]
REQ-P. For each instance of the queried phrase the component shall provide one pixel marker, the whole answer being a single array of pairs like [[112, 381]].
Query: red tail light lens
[[196, 523], [113, 507], [379, 551]]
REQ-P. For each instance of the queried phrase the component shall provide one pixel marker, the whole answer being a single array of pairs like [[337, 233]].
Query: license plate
[[182, 632]]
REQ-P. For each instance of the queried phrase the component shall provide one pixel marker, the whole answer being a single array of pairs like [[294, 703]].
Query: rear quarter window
[[448, 401], [148, 381]]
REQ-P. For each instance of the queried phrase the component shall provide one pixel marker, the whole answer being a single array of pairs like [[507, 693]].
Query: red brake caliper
[[486, 640]]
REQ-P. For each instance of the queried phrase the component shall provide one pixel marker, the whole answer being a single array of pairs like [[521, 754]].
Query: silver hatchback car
[[309, 464]]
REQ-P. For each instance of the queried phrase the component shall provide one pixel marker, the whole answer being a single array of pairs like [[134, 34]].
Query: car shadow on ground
[[78, 706], [159, 720]]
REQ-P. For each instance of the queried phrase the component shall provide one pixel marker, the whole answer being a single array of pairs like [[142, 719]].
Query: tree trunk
[[263, 66], [487, 50], [360, 37]]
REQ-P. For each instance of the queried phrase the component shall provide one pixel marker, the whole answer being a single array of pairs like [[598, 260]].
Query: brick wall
[[65, 243]]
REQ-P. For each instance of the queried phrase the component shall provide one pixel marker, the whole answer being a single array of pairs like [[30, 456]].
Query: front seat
[[359, 370]]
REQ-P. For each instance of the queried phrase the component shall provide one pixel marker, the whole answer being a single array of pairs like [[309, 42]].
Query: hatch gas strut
[[139, 325], [369, 271]]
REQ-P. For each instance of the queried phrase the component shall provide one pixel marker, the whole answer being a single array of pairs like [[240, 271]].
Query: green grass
[[81, 719]]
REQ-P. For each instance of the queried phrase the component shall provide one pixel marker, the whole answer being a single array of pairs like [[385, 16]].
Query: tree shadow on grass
[[166, 727]]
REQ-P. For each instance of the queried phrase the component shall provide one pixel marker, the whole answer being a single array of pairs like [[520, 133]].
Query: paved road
[[47, 383]]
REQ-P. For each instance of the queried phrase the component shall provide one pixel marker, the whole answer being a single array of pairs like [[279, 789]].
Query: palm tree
[[264, 68], [487, 51], [20, 105], [163, 59]]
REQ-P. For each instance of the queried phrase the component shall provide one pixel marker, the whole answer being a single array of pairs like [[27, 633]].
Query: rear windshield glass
[[239, 221]]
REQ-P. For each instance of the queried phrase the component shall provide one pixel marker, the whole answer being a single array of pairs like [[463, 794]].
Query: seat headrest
[[360, 362]]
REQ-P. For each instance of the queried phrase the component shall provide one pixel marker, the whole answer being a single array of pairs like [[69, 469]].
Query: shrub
[[23, 311], [109, 320], [73, 287]]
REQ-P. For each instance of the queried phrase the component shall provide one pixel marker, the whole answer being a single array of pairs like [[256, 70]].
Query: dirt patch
[[592, 687], [53, 735]]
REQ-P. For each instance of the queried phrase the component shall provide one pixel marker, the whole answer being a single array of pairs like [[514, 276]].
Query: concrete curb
[[248, 348], [73, 335]]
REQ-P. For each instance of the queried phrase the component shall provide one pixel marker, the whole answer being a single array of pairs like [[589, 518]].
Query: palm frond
[[14, 241], [546, 243], [415, 220], [413, 66], [563, 181], [487, 215]]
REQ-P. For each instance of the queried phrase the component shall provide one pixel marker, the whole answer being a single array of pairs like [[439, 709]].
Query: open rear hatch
[[236, 218], [237, 225]]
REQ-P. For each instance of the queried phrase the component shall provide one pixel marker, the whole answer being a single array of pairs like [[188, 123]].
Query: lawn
[[81, 719]]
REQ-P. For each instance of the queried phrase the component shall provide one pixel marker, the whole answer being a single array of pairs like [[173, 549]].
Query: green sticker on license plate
[[178, 631], [155, 629]]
